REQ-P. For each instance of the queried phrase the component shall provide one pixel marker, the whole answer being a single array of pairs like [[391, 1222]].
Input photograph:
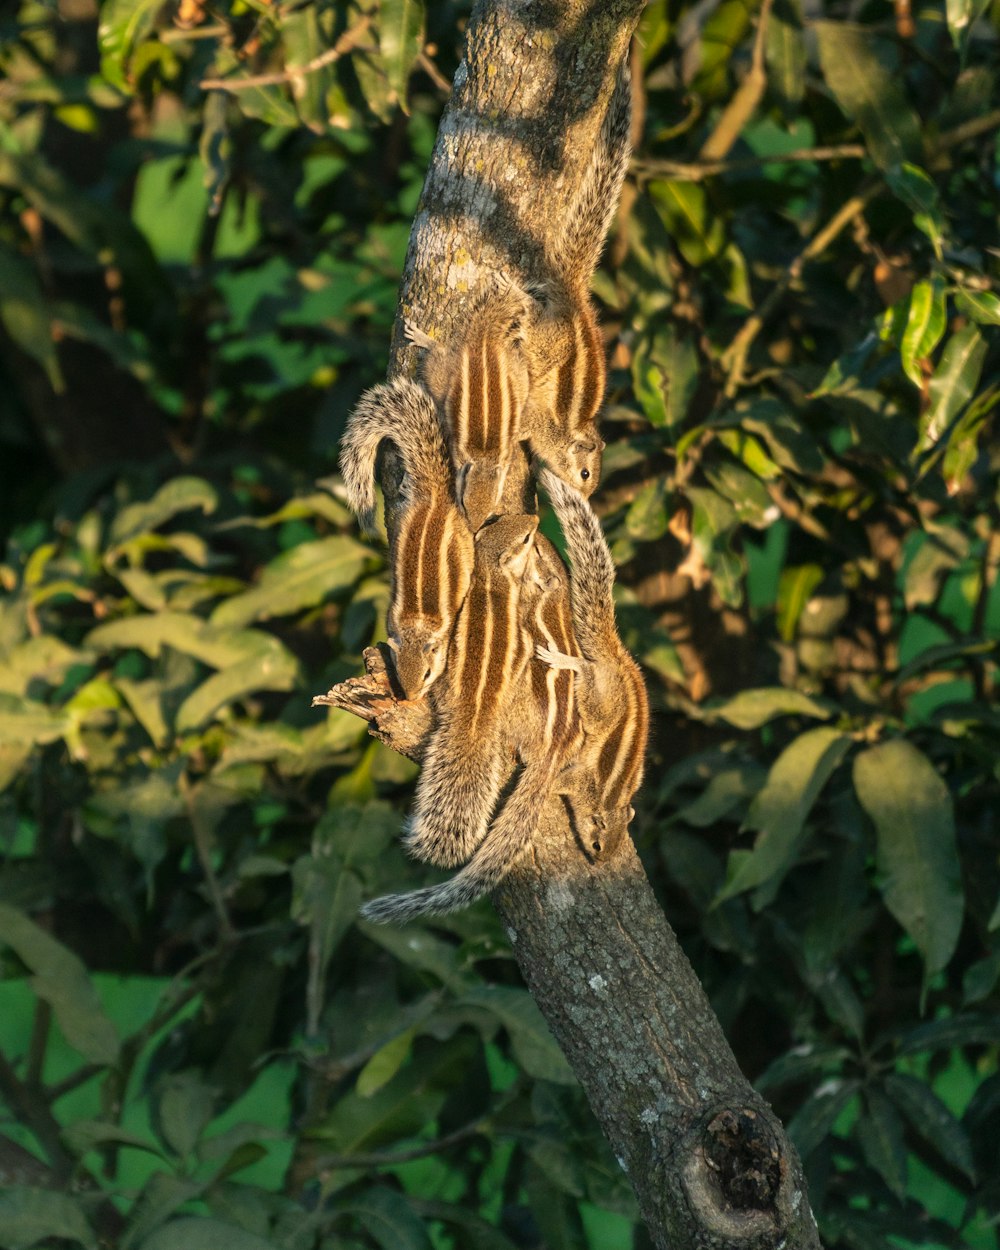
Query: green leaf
[[694, 227], [795, 588], [932, 1121], [389, 1219], [880, 1133], [981, 306], [816, 1117], [25, 314], [271, 666], [299, 578], [84, 1135], [917, 854], [184, 1108], [961, 15], [43, 659], [780, 809], [751, 502], [327, 888], [752, 708], [789, 444], [180, 494], [646, 519], [726, 790], [966, 1029], [925, 323], [938, 552], [530, 1039], [385, 1063], [61, 979], [403, 1107], [201, 1232], [665, 376], [916, 189], [863, 72], [24, 721], [29, 1215], [401, 40], [953, 384], [785, 53], [122, 24]]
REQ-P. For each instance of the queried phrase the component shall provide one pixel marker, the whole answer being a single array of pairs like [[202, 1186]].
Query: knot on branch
[[741, 1152], [741, 1182]]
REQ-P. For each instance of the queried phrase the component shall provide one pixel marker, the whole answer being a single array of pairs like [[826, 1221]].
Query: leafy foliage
[[200, 1043]]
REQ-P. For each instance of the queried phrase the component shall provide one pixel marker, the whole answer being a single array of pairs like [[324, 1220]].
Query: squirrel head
[[507, 544], [480, 485], [419, 651]]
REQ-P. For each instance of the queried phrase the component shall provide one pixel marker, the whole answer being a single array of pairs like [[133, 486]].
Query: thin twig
[[744, 103], [696, 171], [433, 73], [347, 41]]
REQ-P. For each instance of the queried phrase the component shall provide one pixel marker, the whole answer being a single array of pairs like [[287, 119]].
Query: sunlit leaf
[[981, 306], [752, 708], [299, 578], [685, 210], [178, 495], [785, 51], [924, 326], [122, 24], [953, 384]]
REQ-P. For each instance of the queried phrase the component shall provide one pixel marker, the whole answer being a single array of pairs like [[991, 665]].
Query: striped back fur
[[432, 563], [481, 381], [463, 769]]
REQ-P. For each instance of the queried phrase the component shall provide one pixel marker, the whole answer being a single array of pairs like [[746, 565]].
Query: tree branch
[[708, 1161], [346, 43]]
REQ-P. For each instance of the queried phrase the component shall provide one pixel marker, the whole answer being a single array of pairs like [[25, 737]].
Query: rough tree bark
[[708, 1160]]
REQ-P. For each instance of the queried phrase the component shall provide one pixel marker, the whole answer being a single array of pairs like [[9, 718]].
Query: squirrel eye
[[585, 474]]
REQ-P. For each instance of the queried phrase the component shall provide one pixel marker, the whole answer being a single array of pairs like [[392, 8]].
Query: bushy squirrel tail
[[593, 569], [508, 839], [579, 249], [403, 412]]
